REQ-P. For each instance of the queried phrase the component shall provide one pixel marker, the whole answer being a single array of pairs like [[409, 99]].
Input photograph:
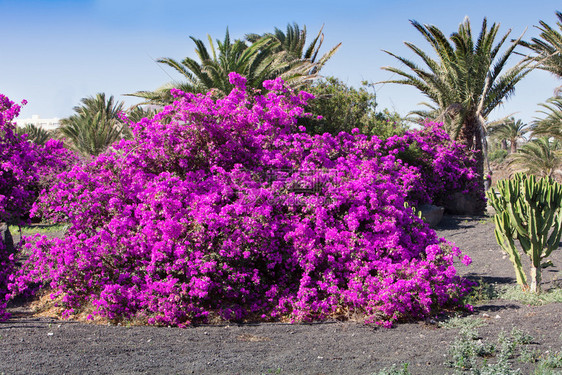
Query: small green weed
[[393, 370], [549, 361], [465, 350], [469, 354], [481, 293], [529, 355], [520, 337], [488, 219], [276, 371]]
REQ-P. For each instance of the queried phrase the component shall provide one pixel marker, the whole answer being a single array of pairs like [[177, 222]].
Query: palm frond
[[34, 133], [95, 126], [539, 157]]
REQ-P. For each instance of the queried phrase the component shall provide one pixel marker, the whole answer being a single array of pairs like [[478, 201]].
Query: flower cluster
[[220, 208], [25, 169], [444, 166]]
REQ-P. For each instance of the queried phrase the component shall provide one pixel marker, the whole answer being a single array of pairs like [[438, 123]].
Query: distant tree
[[339, 107], [34, 133], [498, 155], [510, 130], [95, 126], [468, 80]]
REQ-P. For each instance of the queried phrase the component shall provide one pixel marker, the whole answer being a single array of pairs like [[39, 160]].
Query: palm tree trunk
[[470, 136], [480, 193], [513, 146], [467, 134], [504, 144]]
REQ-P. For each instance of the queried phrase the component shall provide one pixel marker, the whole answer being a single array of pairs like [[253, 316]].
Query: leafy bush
[[338, 107], [497, 156], [220, 208]]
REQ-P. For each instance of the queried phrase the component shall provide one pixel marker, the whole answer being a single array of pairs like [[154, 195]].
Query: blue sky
[[56, 52]]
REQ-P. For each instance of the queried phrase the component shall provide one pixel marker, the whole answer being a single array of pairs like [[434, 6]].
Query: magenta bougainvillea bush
[[17, 167], [219, 208], [17, 161], [25, 169]]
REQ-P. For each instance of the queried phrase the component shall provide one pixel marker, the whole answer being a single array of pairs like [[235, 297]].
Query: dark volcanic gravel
[[32, 345]]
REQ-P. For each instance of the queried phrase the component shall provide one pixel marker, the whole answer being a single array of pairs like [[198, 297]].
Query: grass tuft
[[468, 322], [31, 230], [394, 370], [515, 293]]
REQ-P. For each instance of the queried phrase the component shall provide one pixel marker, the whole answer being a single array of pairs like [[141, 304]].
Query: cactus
[[530, 211]]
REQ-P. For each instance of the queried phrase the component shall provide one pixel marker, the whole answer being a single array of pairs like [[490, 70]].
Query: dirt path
[[30, 345]]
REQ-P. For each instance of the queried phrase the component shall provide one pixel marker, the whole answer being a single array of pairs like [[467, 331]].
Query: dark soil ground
[[40, 345]]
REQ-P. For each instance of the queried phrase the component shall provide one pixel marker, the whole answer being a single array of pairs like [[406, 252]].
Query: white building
[[45, 123]]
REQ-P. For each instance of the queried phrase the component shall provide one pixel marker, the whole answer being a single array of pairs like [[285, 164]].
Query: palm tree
[[465, 83], [262, 60], [540, 157], [95, 126], [510, 130], [548, 47], [34, 133], [551, 125]]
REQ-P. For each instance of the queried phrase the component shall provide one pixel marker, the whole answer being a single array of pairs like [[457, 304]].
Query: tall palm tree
[[510, 130], [95, 126], [551, 125], [540, 157], [465, 83], [262, 60], [548, 47]]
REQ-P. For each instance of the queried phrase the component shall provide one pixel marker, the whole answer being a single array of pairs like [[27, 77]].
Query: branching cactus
[[529, 210]]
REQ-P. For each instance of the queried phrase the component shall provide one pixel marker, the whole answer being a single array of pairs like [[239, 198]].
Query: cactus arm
[[504, 237], [548, 220], [495, 200], [553, 241], [533, 227], [516, 220]]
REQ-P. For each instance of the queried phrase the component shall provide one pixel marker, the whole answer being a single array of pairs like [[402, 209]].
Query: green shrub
[[342, 108], [498, 155]]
